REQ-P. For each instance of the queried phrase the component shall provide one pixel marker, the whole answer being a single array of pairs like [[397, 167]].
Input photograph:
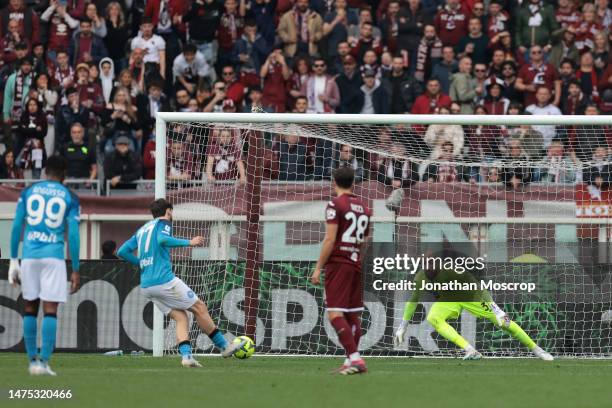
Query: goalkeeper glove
[[14, 273], [398, 338], [503, 320], [394, 201]]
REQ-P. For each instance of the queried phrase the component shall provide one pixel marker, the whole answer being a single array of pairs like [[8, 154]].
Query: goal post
[[253, 211], [160, 192], [257, 186]]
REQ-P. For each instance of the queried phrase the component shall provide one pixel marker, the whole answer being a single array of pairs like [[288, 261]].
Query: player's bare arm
[[196, 241], [331, 231], [75, 282]]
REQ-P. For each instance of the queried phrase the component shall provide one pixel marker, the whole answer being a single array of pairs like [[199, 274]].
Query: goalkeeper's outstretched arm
[[409, 309]]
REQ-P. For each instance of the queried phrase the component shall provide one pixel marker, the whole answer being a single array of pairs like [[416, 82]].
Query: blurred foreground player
[[46, 208], [170, 294], [348, 220]]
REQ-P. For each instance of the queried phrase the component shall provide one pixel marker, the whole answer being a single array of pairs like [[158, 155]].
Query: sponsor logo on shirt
[[146, 262], [42, 237]]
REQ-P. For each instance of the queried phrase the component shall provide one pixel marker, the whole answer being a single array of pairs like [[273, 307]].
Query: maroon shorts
[[343, 288]]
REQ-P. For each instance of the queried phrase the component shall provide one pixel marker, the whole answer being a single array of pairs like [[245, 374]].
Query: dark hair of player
[[344, 176], [56, 167], [158, 207]]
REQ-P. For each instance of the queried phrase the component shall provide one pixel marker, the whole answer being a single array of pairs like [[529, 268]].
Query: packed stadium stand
[[85, 80]]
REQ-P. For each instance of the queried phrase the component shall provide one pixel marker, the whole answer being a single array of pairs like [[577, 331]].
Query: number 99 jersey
[[46, 208], [353, 219]]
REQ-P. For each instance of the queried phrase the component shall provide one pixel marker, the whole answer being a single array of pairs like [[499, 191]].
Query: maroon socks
[[345, 335]]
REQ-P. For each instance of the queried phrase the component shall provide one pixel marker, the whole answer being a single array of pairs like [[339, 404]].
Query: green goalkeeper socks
[[519, 334]]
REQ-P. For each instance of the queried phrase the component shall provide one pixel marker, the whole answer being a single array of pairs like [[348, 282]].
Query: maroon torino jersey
[[353, 219]]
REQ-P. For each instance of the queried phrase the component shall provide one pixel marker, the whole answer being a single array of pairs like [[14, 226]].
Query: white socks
[[355, 356]]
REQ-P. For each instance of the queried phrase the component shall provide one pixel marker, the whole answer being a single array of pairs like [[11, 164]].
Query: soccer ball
[[247, 350]]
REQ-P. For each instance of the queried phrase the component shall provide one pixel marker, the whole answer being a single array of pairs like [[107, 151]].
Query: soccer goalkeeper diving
[[480, 304]]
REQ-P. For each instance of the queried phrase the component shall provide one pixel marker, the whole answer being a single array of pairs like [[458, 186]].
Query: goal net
[[528, 194]]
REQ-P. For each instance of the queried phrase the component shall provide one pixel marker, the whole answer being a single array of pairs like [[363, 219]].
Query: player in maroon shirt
[[348, 222]]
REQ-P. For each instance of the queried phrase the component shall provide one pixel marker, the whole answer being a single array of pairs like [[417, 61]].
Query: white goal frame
[[162, 118]]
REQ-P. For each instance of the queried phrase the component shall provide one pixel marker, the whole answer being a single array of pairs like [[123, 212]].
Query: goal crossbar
[[369, 119]]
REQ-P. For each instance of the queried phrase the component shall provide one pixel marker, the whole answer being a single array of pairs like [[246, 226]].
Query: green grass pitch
[[126, 381]]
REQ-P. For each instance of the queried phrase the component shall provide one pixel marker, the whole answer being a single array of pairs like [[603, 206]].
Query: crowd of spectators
[[84, 79]]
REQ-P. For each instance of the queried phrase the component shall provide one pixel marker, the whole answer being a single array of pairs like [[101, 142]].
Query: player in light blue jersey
[[170, 294], [46, 208]]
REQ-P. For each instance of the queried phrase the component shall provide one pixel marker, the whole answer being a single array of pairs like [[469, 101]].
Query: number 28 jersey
[[353, 219], [47, 208]]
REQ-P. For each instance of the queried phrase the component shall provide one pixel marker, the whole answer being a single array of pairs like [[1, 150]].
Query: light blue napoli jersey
[[152, 242], [47, 208]]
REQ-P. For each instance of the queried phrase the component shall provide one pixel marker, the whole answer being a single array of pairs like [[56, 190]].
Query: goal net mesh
[[534, 199]]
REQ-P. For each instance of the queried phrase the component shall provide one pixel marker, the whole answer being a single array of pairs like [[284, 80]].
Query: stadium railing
[[81, 186], [146, 187]]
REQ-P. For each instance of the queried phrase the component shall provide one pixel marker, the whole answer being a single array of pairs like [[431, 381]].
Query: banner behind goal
[[529, 193]]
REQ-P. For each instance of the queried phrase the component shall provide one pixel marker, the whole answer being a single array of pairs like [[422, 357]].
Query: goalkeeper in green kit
[[450, 303]]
